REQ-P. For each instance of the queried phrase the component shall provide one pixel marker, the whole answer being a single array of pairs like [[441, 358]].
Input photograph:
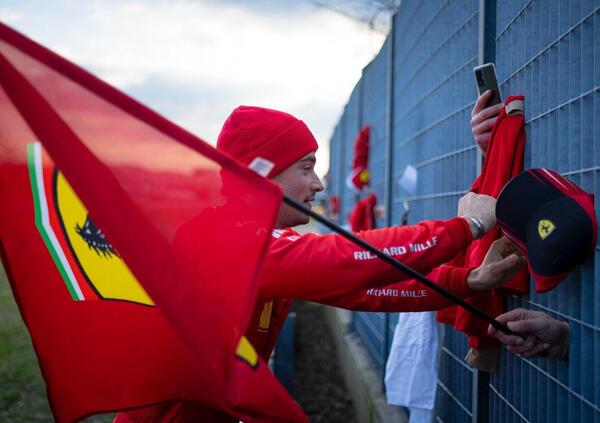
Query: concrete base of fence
[[363, 381]]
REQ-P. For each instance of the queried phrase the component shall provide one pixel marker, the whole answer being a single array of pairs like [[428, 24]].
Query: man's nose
[[317, 185]]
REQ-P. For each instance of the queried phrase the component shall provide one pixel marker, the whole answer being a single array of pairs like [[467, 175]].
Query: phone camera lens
[[479, 76]]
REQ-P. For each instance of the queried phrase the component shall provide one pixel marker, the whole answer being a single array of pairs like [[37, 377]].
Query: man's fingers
[[526, 346], [510, 340], [507, 263], [480, 103], [491, 111], [505, 269], [538, 349], [483, 140], [485, 126], [485, 114], [526, 326], [515, 314], [538, 328], [504, 246], [511, 264]]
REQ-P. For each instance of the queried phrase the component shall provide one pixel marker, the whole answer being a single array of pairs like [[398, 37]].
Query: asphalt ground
[[319, 386]]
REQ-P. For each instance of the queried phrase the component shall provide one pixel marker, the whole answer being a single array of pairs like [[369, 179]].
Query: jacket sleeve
[[410, 295], [303, 267]]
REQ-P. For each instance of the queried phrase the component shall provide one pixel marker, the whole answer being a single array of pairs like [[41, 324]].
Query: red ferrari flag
[[132, 247], [360, 177]]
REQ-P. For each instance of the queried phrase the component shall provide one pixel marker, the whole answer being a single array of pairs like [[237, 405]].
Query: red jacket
[[332, 270]]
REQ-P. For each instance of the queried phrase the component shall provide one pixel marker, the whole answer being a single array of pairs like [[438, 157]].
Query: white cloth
[[420, 415], [412, 367]]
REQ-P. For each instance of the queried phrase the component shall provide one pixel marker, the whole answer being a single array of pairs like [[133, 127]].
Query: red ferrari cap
[[551, 220]]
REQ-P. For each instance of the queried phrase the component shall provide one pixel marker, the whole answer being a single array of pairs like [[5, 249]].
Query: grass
[[22, 388]]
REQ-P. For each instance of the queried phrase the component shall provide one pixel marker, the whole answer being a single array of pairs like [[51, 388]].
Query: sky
[[194, 61]]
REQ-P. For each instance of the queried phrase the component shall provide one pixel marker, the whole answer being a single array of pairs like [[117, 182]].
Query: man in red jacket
[[329, 268]]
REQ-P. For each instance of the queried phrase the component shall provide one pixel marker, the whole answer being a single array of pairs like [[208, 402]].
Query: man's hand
[[483, 119], [500, 264], [480, 206], [543, 333]]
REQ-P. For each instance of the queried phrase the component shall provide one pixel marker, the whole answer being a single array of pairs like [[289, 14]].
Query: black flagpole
[[395, 263]]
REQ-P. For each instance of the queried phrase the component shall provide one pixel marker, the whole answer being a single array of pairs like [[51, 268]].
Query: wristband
[[478, 226]]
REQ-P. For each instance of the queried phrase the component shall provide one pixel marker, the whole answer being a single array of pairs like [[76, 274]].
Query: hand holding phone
[[487, 107], [485, 76]]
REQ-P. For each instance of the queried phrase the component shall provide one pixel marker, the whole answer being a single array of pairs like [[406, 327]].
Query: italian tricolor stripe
[[42, 221]]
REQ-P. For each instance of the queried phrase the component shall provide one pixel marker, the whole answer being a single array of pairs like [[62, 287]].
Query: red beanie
[[266, 140]]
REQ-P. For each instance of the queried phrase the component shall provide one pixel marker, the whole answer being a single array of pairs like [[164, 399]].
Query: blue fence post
[[481, 395], [389, 183], [486, 54], [487, 45]]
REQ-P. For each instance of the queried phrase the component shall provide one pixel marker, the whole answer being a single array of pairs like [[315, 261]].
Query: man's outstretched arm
[[499, 266], [304, 266]]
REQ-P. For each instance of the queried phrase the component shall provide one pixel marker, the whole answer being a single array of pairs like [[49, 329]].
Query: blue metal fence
[[433, 95], [335, 166], [352, 123], [371, 326], [374, 108], [550, 52]]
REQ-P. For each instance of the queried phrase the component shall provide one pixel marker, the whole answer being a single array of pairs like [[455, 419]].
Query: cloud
[[194, 61], [10, 17]]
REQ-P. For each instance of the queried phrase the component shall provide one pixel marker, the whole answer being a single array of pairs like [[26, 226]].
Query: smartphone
[[485, 76]]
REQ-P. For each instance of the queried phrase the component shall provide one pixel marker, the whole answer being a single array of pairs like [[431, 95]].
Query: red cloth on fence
[[360, 177], [334, 207], [362, 216], [503, 161]]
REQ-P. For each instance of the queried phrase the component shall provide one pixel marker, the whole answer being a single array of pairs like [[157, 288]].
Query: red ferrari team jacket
[[332, 270]]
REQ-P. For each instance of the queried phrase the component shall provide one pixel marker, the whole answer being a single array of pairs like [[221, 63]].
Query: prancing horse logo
[[95, 238], [545, 228]]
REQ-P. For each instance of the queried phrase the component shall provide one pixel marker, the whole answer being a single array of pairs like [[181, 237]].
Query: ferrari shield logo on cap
[[545, 228]]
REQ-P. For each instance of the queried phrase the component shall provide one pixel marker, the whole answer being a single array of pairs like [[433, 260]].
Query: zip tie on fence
[[400, 266]]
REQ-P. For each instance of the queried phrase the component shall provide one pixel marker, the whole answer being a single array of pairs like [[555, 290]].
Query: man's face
[[300, 182]]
